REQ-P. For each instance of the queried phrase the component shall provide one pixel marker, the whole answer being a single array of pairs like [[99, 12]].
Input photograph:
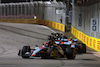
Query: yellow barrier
[[91, 42], [19, 20], [52, 24]]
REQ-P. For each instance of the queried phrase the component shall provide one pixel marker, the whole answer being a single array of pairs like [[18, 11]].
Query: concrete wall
[[52, 11], [87, 12]]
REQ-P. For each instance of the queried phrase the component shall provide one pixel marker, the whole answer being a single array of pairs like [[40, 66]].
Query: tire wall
[[83, 29]]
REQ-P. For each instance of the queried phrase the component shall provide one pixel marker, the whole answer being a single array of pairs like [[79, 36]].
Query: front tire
[[70, 53], [24, 50], [83, 48]]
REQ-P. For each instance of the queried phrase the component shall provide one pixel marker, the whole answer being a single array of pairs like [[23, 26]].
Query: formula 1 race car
[[60, 48], [81, 48], [51, 51]]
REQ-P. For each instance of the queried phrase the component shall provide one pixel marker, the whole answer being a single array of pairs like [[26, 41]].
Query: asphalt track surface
[[13, 36]]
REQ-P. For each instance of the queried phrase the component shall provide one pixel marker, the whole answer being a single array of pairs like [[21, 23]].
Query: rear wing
[[63, 43], [65, 40]]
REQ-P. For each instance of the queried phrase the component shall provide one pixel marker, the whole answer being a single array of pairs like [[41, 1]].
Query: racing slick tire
[[79, 50], [83, 48], [70, 53], [24, 50]]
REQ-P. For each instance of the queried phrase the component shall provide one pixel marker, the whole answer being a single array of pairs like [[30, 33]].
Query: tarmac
[[14, 36]]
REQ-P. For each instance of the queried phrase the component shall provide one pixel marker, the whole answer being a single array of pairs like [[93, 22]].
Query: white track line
[[49, 29]]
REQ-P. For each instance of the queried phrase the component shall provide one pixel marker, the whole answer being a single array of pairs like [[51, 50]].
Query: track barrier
[[91, 42]]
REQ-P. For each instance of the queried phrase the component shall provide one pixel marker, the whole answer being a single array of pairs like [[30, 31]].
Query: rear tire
[[83, 48], [24, 50], [70, 53], [79, 50]]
